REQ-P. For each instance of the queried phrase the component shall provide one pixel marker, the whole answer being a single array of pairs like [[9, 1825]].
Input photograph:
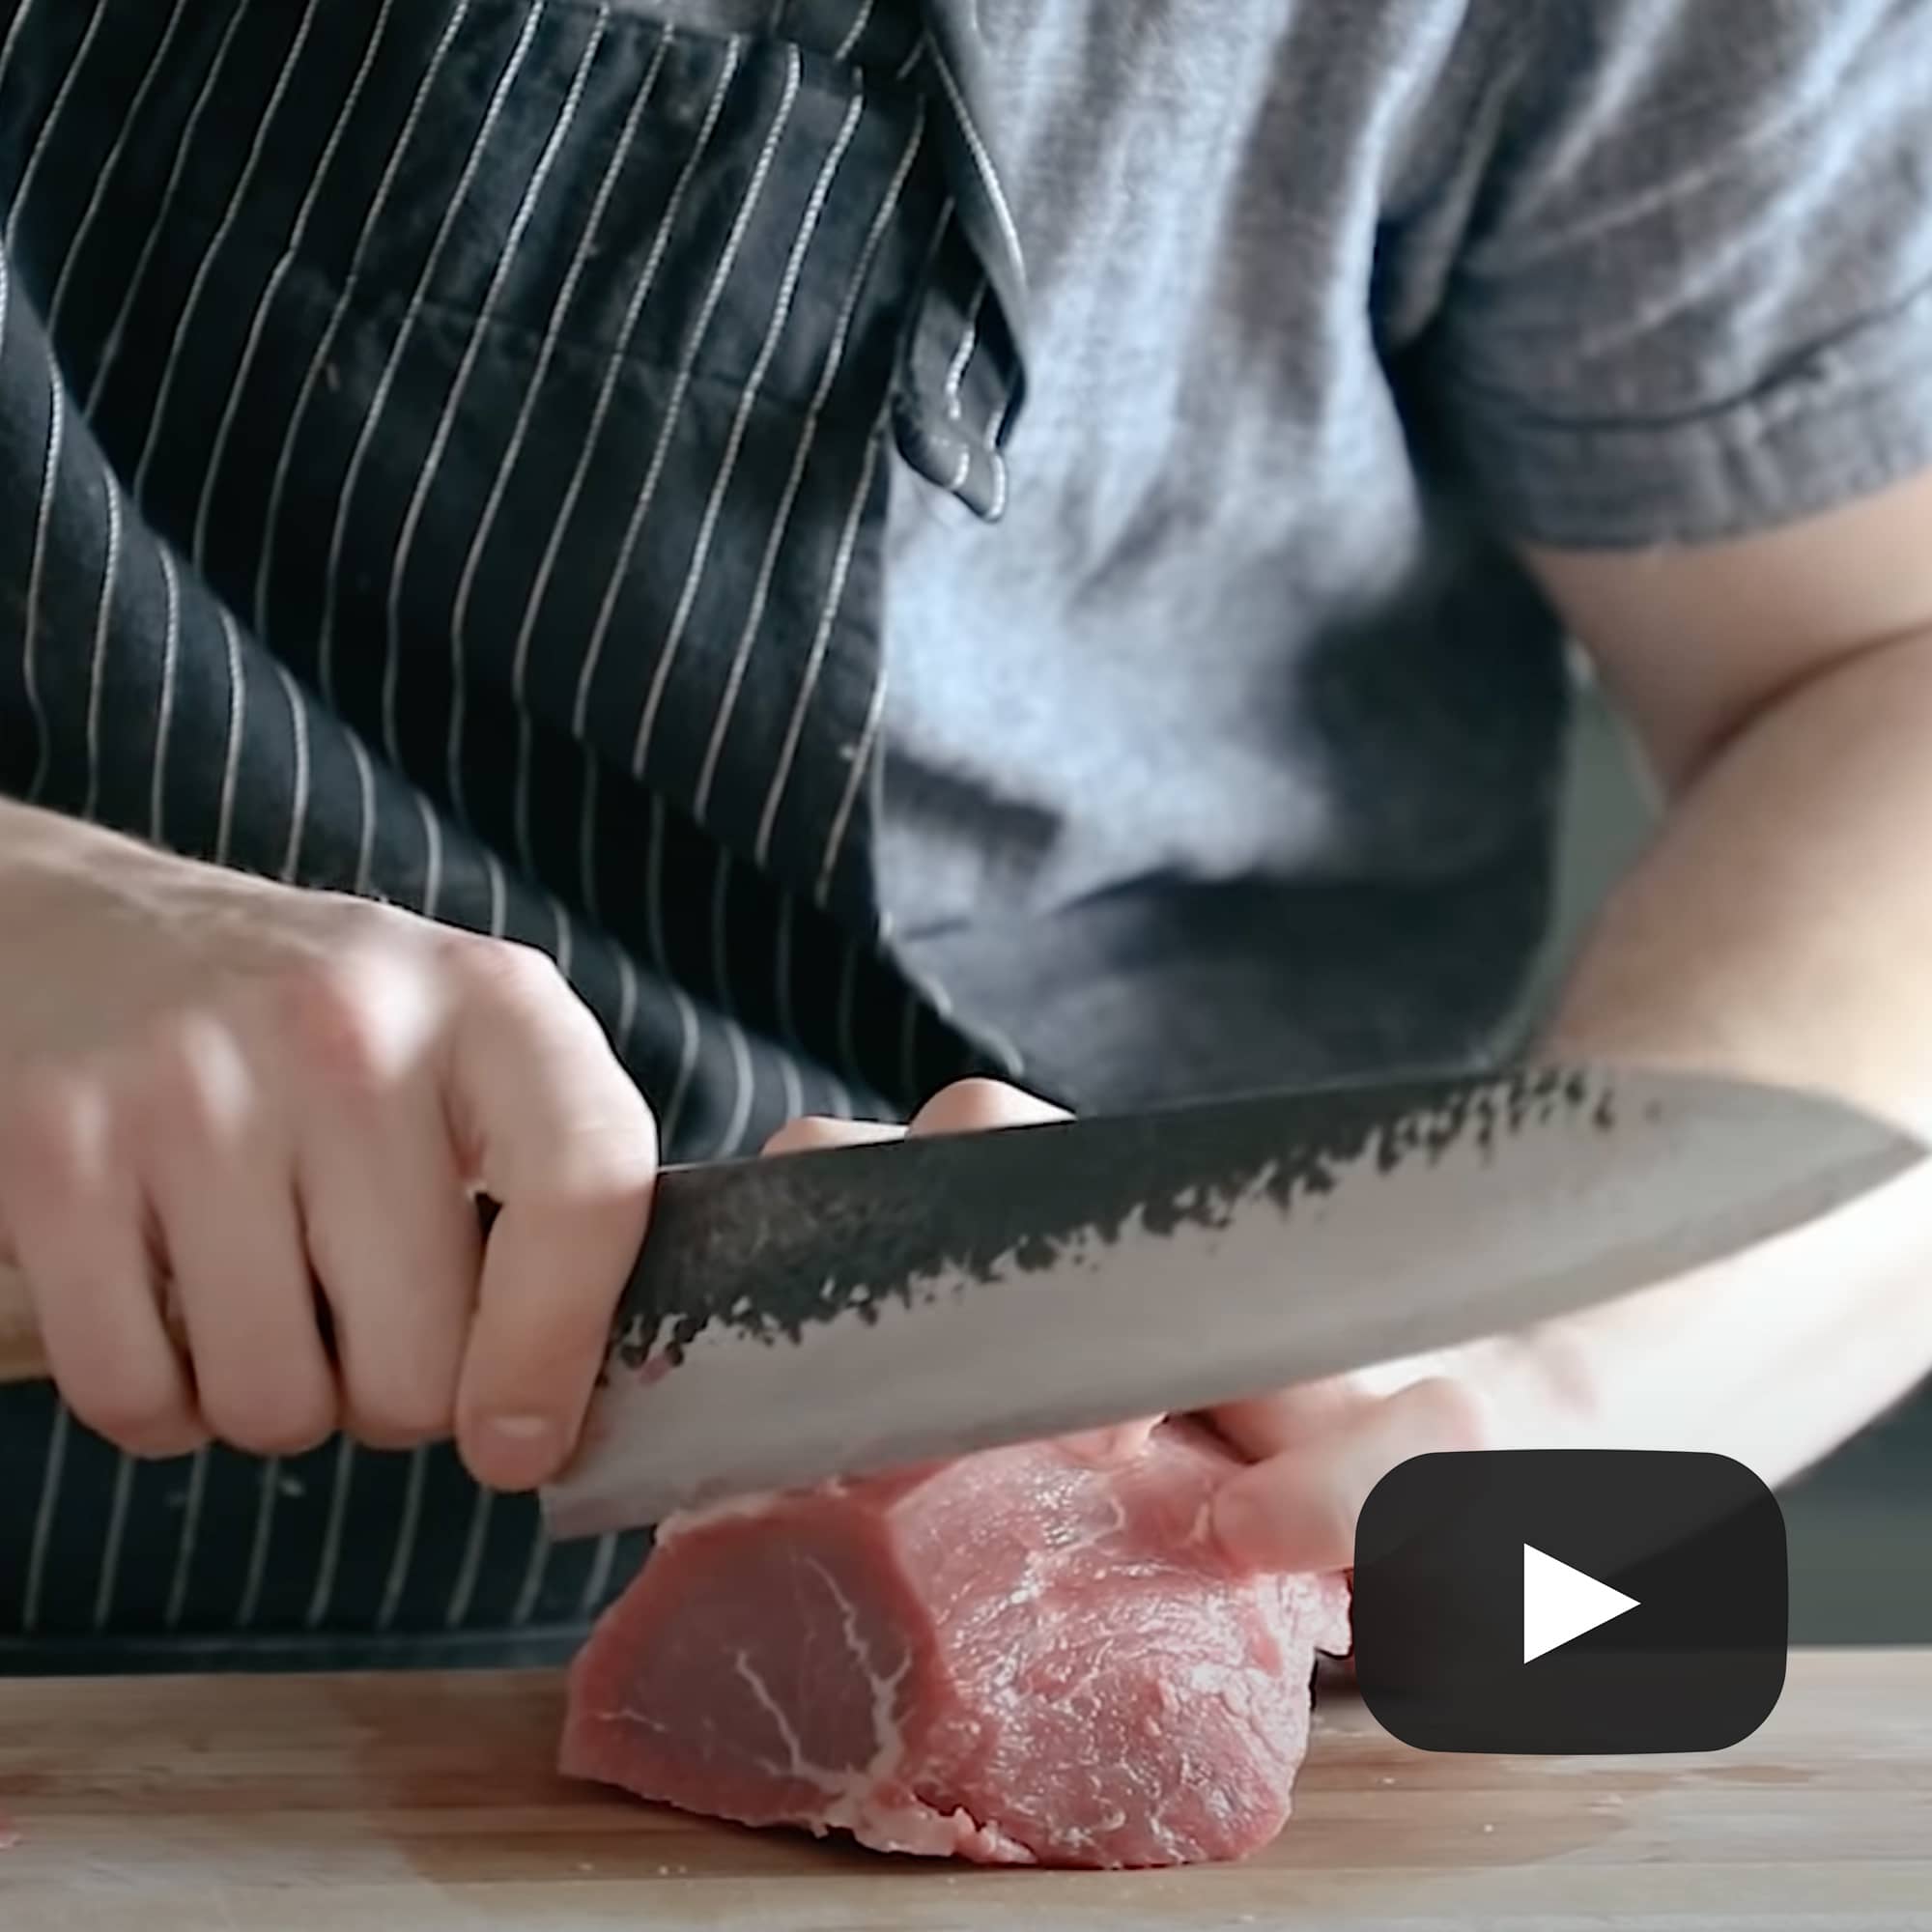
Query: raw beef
[[1016, 1658]]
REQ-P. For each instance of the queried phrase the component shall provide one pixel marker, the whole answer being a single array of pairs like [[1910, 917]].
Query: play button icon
[[1571, 1601], [1560, 1604]]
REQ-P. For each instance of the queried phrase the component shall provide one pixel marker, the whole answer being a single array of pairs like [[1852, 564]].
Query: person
[[467, 473]]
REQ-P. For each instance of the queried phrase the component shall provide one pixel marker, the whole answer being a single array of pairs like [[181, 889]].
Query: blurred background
[[1860, 1526]]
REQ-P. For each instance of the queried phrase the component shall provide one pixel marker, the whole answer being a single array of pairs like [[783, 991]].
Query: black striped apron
[[443, 456]]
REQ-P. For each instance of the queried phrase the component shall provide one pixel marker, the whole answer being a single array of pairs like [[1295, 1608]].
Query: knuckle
[[507, 971], [331, 1020], [146, 1415], [1459, 1419], [276, 1423], [190, 1090], [398, 1418], [40, 1124]]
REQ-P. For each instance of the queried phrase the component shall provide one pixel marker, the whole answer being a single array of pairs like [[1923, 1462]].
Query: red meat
[[1016, 1657]]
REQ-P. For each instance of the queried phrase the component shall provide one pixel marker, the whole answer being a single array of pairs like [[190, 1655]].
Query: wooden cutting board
[[423, 1803]]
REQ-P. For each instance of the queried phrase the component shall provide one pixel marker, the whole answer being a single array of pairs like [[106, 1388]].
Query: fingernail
[[523, 1430]]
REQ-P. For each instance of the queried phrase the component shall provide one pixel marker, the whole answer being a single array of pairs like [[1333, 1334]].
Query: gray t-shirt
[[1228, 754]]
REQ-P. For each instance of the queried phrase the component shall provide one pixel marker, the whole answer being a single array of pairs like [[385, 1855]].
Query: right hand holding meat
[[242, 1128]]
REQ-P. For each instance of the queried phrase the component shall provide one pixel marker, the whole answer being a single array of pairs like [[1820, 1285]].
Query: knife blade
[[841, 1311]]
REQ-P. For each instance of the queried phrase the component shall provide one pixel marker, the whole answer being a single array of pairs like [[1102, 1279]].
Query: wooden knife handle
[[21, 1356]]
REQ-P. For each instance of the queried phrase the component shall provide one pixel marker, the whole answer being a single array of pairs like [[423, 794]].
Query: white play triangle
[[1559, 1603]]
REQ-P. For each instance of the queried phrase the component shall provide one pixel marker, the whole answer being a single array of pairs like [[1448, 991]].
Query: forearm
[[1780, 927]]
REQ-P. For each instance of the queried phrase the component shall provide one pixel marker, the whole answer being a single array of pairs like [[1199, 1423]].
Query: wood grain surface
[[425, 1804]]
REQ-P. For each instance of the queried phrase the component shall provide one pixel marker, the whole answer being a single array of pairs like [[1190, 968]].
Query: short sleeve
[[1693, 299]]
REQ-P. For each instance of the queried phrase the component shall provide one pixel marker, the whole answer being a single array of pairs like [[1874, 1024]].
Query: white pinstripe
[[44, 1516], [268, 1487], [493, 870], [790, 1088], [406, 330], [204, 266], [982, 162], [351, 282], [707, 531], [525, 1603], [103, 616], [854, 32], [908, 66], [838, 1097], [331, 1540], [156, 62], [994, 430], [835, 594], [6, 289], [472, 349], [238, 700], [834, 357], [566, 946], [686, 1065], [962, 356], [36, 575], [464, 1591], [405, 1539], [165, 711], [258, 322], [54, 113], [113, 1547], [158, 221], [432, 858], [7, 45], [365, 790], [197, 1487], [862, 758], [597, 1581], [459, 622], [298, 811], [744, 1079], [674, 405], [613, 369], [627, 998]]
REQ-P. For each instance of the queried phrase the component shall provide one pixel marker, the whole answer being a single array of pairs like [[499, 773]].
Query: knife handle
[[22, 1359]]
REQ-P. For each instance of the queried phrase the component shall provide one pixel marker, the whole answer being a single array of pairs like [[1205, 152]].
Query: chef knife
[[839, 1312], [834, 1313]]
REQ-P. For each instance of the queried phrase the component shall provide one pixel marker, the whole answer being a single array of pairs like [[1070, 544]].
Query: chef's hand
[[242, 1128], [1760, 1358]]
